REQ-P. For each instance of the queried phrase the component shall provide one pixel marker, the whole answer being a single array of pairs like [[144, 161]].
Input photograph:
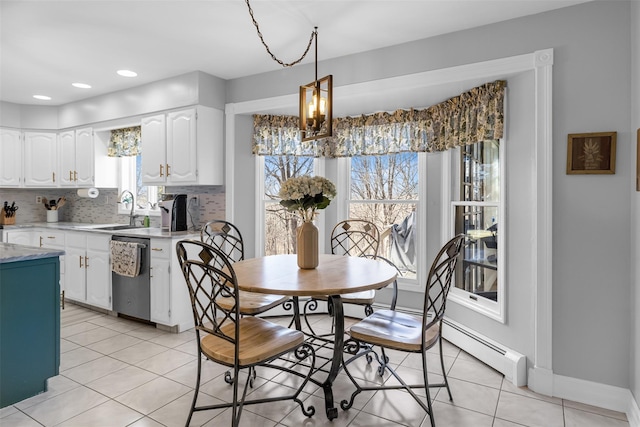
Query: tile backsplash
[[104, 208]]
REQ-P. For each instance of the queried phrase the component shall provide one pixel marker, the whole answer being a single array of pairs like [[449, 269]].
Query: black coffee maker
[[173, 210]]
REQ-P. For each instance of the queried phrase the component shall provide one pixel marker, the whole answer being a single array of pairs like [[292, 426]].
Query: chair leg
[[195, 392], [444, 373], [383, 361], [229, 379], [426, 388], [237, 406]]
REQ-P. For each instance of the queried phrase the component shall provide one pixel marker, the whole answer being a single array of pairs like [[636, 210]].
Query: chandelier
[[316, 98]]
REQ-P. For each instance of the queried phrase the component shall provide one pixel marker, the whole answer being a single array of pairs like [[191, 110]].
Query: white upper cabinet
[[77, 158], [183, 147], [10, 158], [182, 152], [154, 155], [40, 159]]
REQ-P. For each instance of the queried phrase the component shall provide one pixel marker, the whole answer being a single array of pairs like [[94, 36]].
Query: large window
[[384, 190], [279, 224]]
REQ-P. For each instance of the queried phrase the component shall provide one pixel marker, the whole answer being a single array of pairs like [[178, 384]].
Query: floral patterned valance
[[474, 116], [125, 142]]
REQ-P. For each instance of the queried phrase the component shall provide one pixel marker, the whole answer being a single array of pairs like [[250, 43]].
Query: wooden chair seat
[[392, 329], [260, 340], [362, 298], [251, 303]]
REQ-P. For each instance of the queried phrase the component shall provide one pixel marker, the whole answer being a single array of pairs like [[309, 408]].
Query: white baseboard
[[633, 412], [596, 394]]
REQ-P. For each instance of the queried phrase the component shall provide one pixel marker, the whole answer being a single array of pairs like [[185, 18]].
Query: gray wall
[[635, 254], [591, 214]]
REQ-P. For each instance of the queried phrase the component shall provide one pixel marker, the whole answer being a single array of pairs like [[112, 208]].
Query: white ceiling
[[47, 45]]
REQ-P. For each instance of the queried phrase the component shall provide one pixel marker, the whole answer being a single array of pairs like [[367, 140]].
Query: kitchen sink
[[117, 227]]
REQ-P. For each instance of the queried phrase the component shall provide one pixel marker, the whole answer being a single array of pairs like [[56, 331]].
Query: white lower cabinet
[[160, 287], [87, 269], [170, 302]]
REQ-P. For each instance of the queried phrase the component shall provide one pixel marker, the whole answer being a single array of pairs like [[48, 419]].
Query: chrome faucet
[[132, 217]]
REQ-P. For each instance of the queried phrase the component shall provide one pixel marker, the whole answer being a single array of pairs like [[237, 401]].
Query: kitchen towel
[[91, 193], [125, 258]]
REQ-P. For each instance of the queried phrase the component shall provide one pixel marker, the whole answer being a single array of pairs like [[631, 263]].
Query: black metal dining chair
[[399, 331], [351, 237], [227, 238], [226, 337]]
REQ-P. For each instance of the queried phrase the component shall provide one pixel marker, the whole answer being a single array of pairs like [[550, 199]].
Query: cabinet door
[[85, 160], [20, 237], [98, 278], [181, 147], [75, 273], [153, 140], [40, 152], [67, 148], [10, 158], [160, 291]]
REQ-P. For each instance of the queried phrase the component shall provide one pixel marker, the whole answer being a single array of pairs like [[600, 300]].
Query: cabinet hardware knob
[[168, 169], [150, 272], [40, 241], [75, 175], [86, 262], [70, 175], [161, 174], [80, 257], [53, 175], [156, 249]]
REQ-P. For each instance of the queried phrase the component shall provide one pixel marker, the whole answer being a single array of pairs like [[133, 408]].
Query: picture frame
[[591, 153]]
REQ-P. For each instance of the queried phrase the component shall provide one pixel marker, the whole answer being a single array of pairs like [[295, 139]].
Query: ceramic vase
[[307, 242]]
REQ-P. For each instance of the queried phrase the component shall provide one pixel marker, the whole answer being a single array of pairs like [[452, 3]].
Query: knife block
[[6, 220]]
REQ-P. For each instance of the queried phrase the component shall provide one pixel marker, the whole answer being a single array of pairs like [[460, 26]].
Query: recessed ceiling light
[[43, 97], [81, 85], [127, 73]]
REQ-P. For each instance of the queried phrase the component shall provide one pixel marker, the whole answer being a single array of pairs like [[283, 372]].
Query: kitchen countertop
[[94, 228], [10, 252]]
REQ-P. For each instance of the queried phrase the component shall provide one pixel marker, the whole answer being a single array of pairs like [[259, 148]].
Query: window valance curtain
[[125, 142], [474, 116]]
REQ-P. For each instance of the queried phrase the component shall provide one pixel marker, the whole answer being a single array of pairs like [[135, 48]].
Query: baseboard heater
[[511, 364]]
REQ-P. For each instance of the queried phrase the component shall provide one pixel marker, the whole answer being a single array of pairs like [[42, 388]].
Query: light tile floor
[[117, 373]]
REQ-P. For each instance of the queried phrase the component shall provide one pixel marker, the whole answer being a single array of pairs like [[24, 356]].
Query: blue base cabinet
[[29, 327]]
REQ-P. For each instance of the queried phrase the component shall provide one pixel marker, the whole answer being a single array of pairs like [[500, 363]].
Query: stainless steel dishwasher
[[131, 295]]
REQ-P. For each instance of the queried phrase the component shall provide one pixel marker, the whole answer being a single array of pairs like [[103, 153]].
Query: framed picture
[[591, 153]]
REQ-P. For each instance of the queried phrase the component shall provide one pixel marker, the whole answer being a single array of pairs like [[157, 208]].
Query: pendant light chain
[[314, 34]]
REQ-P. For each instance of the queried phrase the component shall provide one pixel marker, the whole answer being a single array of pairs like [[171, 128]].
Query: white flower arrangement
[[305, 194]]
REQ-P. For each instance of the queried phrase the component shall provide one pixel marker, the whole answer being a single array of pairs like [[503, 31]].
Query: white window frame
[[493, 309], [343, 186], [318, 170]]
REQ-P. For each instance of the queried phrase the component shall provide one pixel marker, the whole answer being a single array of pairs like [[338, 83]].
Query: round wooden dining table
[[334, 276]]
